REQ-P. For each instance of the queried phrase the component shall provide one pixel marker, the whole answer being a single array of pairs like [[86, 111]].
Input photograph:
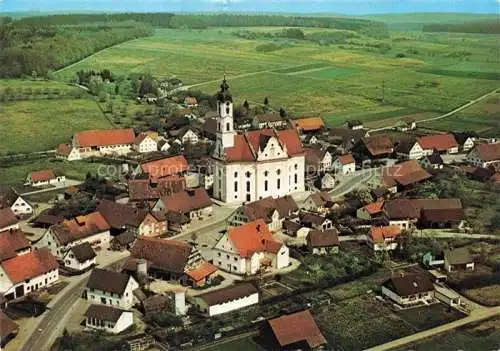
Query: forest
[[36, 49], [477, 27]]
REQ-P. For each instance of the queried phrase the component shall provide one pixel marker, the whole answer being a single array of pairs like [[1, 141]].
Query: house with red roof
[[27, 273], [344, 164], [44, 177], [68, 152], [92, 228], [163, 168], [104, 142], [442, 143], [296, 331], [10, 198], [254, 164], [145, 143], [308, 124], [383, 238], [249, 249], [371, 211], [485, 156], [403, 175], [13, 243], [8, 219]]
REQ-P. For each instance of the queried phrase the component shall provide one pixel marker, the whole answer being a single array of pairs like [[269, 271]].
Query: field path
[[448, 114]]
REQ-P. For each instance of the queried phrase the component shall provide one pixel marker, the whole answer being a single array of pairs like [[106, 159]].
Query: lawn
[[16, 174], [246, 344], [39, 125], [478, 336], [354, 78]]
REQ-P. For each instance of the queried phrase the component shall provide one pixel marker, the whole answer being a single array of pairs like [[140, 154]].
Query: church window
[[228, 126], [266, 173], [235, 186], [249, 197], [248, 174], [219, 127], [248, 186], [296, 178], [296, 166], [278, 172], [278, 183], [235, 174], [265, 185]]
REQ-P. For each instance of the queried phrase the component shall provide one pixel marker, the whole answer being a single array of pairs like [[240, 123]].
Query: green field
[[16, 173], [42, 124], [337, 81]]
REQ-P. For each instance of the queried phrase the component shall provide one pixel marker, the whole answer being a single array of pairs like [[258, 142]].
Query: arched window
[[265, 185], [235, 174], [248, 174], [278, 183], [235, 186], [266, 173], [248, 186], [219, 127], [278, 172], [228, 126]]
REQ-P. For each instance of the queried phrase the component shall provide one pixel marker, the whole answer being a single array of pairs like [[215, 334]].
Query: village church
[[254, 164]]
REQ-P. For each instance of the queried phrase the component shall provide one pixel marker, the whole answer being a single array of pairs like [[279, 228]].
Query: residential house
[[433, 260], [323, 242], [272, 211], [465, 140], [46, 219], [143, 189], [163, 145], [270, 120], [410, 149], [434, 161], [8, 329], [447, 296], [192, 204], [327, 182], [409, 289], [80, 257], [190, 101], [120, 217], [109, 319], [163, 168], [485, 155], [123, 241], [344, 164], [371, 211], [9, 198], [249, 249], [106, 287], [104, 142], [315, 221], [442, 143], [170, 260], [296, 331], [295, 229], [320, 201], [153, 224], [403, 175], [8, 220], [374, 147], [406, 125], [27, 273], [405, 213], [68, 152], [318, 160], [441, 218], [209, 128], [354, 124], [145, 143], [227, 299], [383, 238], [188, 136], [91, 228], [13, 242], [459, 259], [44, 177], [345, 139], [308, 125]]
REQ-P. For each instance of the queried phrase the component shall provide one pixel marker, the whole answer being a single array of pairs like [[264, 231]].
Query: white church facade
[[254, 164]]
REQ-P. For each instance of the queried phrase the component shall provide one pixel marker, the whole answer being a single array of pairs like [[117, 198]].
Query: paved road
[[52, 323], [349, 184], [475, 316], [451, 113]]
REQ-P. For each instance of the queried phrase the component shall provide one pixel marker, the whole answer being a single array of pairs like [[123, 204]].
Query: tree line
[[36, 49], [201, 21], [478, 27]]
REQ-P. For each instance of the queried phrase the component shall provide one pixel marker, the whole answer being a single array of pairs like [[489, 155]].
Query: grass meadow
[[426, 73]]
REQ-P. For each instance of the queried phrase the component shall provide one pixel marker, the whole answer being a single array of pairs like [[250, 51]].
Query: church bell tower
[[225, 121]]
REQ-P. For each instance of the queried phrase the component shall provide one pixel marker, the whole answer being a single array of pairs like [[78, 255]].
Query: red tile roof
[[253, 237], [7, 327], [378, 144], [405, 173], [80, 227], [308, 124], [247, 145], [297, 327], [43, 175], [375, 207], [187, 201], [140, 138], [202, 271], [165, 167], [30, 265], [7, 218], [489, 152], [146, 189], [12, 241], [93, 138], [379, 234], [440, 142], [346, 159], [64, 149]]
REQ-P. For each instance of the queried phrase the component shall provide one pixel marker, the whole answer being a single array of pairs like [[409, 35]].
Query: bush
[[164, 319]]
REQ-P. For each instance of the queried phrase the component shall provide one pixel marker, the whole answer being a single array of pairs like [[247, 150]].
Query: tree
[[246, 105], [266, 101], [147, 86], [282, 112], [96, 85], [34, 74]]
